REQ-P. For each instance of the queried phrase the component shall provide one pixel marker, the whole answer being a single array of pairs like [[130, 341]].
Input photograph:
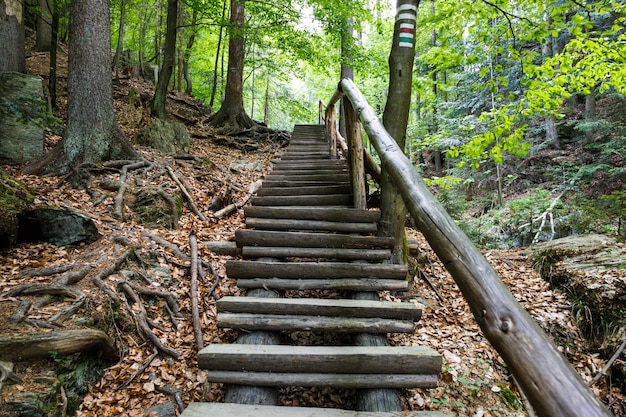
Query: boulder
[[15, 198], [591, 269], [168, 137], [59, 226], [22, 115]]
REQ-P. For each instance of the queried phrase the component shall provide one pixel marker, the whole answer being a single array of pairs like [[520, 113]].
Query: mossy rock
[[152, 210], [168, 137], [15, 199]]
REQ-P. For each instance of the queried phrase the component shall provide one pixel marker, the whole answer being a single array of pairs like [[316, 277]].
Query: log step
[[328, 253], [314, 213], [291, 314], [303, 200], [308, 190], [243, 410], [329, 164], [338, 176], [315, 225], [317, 270], [339, 366], [342, 284], [299, 183], [321, 307], [245, 237], [303, 156]]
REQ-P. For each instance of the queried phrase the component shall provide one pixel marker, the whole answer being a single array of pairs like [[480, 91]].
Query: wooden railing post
[[355, 155], [551, 384], [331, 131]]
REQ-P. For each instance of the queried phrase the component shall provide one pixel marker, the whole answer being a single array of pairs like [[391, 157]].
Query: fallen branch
[[254, 187], [140, 371], [195, 309], [186, 193], [606, 367]]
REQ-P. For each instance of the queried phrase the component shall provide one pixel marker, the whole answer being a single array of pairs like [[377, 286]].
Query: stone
[[22, 116], [59, 226], [168, 137]]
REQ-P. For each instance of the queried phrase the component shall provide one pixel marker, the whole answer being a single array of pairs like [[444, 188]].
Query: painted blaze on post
[[408, 14]]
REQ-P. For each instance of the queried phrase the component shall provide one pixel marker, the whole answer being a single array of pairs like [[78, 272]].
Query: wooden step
[[321, 307], [317, 270], [314, 213], [304, 200], [317, 225], [329, 163], [339, 176], [339, 366], [303, 156], [308, 190], [310, 172], [243, 410], [339, 284], [283, 322], [246, 237], [328, 253], [299, 183]]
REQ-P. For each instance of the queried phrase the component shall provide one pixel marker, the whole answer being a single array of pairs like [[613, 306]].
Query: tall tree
[[92, 134], [232, 113], [396, 118], [157, 105], [44, 26], [12, 56]]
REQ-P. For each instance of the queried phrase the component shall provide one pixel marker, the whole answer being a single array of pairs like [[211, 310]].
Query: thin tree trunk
[[188, 48], [52, 82], [266, 112], [179, 49], [120, 39], [217, 56], [347, 44], [395, 120], [44, 26], [160, 93]]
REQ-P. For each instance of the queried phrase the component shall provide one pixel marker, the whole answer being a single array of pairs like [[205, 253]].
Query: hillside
[[141, 255]]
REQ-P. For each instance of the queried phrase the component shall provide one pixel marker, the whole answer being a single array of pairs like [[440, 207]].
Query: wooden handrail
[[551, 384]]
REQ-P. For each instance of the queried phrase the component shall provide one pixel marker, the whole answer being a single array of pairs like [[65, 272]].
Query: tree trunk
[[52, 82], [189, 46], [12, 56], [217, 57], [44, 26], [347, 43], [92, 134], [232, 113], [395, 120], [120, 39], [157, 107]]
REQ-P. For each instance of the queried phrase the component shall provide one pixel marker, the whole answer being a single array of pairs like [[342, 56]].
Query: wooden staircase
[[303, 234]]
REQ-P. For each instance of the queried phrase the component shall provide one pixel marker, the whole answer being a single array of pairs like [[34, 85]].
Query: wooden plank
[[287, 224], [329, 164], [345, 284], [396, 360], [308, 190], [198, 409], [280, 322], [246, 237], [338, 176], [329, 253], [323, 307], [299, 183], [304, 171], [304, 156], [283, 379], [303, 200], [304, 270], [312, 213]]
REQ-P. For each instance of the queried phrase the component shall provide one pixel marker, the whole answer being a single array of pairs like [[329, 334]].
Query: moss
[[15, 198]]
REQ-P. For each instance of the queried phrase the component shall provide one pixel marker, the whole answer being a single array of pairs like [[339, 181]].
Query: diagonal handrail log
[[551, 384]]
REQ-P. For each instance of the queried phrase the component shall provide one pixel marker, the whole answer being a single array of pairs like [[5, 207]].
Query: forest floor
[[474, 381]]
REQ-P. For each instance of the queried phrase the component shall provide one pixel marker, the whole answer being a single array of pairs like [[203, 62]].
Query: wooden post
[[551, 384], [355, 155]]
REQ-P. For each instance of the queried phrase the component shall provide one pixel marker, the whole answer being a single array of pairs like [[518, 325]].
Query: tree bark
[[92, 134], [44, 26], [12, 56], [395, 120], [157, 107], [232, 113], [217, 57]]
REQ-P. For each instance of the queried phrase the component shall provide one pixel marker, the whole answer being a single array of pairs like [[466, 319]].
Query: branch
[[195, 309]]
